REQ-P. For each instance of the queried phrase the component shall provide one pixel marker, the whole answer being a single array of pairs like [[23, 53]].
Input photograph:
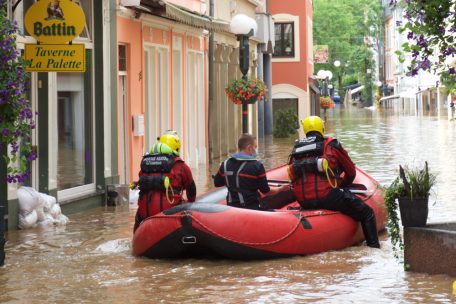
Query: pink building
[[161, 79], [292, 60]]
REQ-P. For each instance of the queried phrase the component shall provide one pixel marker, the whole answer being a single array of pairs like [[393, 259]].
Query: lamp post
[[325, 76], [243, 27]]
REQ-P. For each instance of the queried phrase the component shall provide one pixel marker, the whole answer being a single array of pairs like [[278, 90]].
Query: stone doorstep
[[431, 249]]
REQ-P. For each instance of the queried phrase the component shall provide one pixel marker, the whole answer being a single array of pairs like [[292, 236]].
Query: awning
[[354, 91], [183, 15], [390, 97], [195, 19]]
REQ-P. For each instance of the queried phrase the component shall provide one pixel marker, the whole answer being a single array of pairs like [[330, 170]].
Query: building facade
[[420, 94], [75, 159], [162, 79], [292, 58], [172, 75], [225, 119]]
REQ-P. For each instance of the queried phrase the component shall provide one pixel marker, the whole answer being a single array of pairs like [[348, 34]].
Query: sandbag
[[55, 211], [61, 220], [49, 201], [41, 215], [28, 199], [28, 221]]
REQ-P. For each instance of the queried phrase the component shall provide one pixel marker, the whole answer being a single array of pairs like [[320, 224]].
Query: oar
[[355, 191]]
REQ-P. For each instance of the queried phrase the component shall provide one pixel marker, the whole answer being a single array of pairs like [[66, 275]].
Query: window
[[178, 96], [284, 40], [74, 125], [122, 58]]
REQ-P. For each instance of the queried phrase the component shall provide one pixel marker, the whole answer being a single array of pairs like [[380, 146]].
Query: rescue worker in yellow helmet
[[171, 139], [320, 170], [163, 178]]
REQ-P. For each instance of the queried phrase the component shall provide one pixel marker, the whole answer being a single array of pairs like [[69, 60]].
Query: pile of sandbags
[[38, 209]]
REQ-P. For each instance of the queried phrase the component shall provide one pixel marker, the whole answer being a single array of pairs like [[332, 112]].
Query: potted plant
[[410, 193], [245, 89]]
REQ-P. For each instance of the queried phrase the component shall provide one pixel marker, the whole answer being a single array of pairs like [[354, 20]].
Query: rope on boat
[[248, 243]]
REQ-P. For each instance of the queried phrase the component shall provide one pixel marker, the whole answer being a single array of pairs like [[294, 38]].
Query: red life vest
[[309, 180], [153, 196]]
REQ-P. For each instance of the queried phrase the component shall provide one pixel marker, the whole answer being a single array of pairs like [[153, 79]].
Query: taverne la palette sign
[[54, 24]]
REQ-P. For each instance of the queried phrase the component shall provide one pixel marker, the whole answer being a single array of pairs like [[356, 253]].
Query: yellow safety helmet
[[161, 148], [171, 139], [313, 123]]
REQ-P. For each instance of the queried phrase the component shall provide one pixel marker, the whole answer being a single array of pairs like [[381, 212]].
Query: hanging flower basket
[[249, 90], [326, 102]]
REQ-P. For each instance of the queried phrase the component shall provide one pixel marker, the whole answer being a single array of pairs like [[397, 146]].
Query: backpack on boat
[[157, 191], [309, 169]]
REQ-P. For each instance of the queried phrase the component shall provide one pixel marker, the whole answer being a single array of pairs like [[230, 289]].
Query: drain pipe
[[210, 102], [2, 235], [267, 75]]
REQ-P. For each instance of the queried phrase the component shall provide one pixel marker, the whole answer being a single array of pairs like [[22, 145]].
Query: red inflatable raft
[[209, 227]]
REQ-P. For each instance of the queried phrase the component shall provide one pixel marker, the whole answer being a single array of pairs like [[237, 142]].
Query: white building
[[420, 94]]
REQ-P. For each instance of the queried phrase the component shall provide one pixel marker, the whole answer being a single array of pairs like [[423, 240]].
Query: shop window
[[75, 130], [284, 40]]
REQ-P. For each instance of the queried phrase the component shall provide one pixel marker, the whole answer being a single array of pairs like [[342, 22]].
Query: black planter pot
[[414, 212]]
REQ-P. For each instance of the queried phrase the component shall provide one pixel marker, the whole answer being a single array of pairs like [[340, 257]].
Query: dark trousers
[[343, 201], [252, 206]]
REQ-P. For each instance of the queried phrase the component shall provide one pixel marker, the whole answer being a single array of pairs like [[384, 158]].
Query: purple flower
[[33, 155], [5, 132], [422, 42]]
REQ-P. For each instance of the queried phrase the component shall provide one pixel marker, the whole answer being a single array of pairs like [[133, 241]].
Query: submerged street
[[89, 260]]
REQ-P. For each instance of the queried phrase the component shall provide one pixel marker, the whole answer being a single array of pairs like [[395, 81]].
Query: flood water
[[89, 260]]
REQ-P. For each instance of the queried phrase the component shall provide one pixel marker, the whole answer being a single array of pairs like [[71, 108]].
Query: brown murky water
[[89, 260]]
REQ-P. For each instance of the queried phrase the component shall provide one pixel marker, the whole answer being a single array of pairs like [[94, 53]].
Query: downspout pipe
[[260, 104], [2, 235], [211, 86]]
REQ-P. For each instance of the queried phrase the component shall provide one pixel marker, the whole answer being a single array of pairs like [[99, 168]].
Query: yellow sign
[[54, 21], [55, 57]]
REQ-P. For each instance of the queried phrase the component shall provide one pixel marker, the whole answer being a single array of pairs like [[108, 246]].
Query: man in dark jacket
[[244, 176], [320, 170]]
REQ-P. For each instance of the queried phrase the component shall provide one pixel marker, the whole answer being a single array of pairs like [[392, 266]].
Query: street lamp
[[325, 76], [243, 27]]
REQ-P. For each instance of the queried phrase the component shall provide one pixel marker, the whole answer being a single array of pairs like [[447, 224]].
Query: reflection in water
[[89, 260]]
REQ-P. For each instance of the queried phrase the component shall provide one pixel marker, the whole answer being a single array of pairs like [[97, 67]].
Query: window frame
[[283, 41], [287, 18]]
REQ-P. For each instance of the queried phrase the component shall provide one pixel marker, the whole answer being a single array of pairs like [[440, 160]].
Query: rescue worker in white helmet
[[163, 178], [320, 170]]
